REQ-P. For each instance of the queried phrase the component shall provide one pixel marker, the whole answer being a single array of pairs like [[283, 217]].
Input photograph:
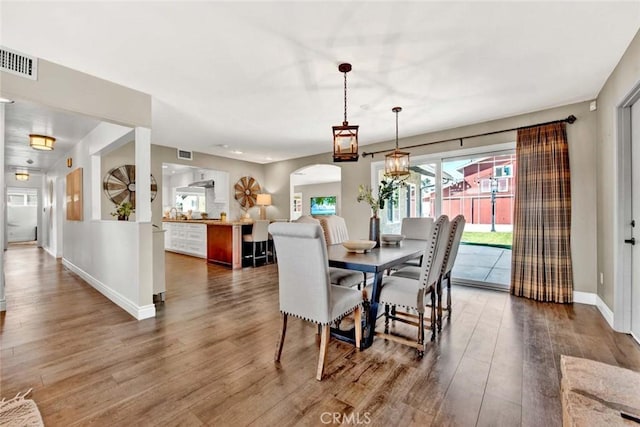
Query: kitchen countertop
[[207, 221]]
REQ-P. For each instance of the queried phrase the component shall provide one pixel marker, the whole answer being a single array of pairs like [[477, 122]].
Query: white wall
[[110, 255], [86, 243], [3, 203], [625, 76]]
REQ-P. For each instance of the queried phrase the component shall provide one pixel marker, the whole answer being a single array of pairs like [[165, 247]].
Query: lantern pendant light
[[396, 163], [345, 137]]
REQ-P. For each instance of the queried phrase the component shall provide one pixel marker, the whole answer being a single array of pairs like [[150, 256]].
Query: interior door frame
[[622, 228]]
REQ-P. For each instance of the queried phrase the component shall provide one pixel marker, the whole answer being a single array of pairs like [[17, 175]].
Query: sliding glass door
[[478, 185]]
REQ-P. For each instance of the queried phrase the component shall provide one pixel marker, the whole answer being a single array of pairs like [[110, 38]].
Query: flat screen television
[[323, 205]]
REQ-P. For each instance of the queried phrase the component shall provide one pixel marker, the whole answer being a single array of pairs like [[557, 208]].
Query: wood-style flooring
[[207, 358]]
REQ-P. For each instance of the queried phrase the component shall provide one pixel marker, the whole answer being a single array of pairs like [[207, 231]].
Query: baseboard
[[139, 312], [584, 297], [605, 311], [49, 251], [594, 299]]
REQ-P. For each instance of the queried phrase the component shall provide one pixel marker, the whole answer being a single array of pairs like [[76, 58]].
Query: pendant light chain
[[397, 129], [345, 99]]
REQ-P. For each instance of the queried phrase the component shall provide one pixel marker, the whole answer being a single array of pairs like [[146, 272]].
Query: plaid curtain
[[541, 255]]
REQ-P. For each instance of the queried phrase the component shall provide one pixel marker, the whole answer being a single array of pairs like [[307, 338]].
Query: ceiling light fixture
[[22, 176], [345, 137], [41, 142], [6, 100], [396, 163]]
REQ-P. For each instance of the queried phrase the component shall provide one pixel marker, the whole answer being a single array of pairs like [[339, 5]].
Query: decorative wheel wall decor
[[247, 189], [119, 185]]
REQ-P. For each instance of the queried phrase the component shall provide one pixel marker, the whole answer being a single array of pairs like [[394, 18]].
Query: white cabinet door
[[167, 235], [189, 239], [221, 186]]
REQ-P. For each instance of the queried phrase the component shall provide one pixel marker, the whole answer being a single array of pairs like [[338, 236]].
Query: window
[[504, 170], [22, 197], [474, 183], [193, 202], [485, 186]]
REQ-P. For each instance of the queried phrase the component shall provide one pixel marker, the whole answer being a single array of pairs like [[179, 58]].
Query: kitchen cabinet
[[219, 242], [222, 189], [224, 243], [185, 238]]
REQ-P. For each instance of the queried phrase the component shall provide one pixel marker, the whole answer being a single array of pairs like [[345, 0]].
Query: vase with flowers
[[386, 194]]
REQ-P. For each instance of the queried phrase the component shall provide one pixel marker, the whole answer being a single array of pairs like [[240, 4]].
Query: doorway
[[315, 184], [22, 215], [635, 208], [626, 248], [477, 183]]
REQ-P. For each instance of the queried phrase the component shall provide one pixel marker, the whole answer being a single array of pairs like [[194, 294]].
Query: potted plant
[[386, 193], [123, 210]]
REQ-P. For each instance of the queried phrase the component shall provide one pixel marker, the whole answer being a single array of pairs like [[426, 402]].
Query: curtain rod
[[571, 119]]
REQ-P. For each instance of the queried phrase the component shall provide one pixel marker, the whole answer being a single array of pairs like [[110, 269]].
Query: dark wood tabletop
[[376, 261]]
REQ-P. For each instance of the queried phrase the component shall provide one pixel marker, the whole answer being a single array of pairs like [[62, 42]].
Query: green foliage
[[324, 200], [123, 209], [386, 193], [488, 238]]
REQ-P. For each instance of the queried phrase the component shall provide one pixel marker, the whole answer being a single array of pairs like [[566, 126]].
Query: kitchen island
[[218, 241]]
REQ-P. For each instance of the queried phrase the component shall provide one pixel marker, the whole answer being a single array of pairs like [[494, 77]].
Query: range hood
[[204, 184]]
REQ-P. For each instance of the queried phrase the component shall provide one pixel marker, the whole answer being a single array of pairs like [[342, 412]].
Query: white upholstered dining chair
[[456, 229], [335, 231], [410, 293], [416, 228], [455, 236], [305, 289]]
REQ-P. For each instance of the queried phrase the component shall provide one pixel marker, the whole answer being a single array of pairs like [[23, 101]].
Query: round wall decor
[[119, 185], [247, 189]]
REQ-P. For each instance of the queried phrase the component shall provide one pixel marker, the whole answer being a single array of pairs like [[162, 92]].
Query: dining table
[[377, 261]]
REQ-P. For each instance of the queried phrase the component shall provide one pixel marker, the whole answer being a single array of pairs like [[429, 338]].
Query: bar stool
[[259, 235]]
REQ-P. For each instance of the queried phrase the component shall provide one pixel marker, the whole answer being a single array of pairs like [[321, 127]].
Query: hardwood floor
[[207, 358]]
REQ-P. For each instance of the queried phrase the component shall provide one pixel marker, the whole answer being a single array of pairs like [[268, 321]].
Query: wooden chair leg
[[281, 338], [324, 346], [449, 295], [386, 318], [439, 286], [433, 314], [420, 334], [357, 318]]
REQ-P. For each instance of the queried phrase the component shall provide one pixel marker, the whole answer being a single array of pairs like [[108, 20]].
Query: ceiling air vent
[[185, 155], [18, 63]]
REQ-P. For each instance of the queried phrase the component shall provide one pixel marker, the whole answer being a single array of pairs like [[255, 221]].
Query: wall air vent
[[18, 63], [185, 155]]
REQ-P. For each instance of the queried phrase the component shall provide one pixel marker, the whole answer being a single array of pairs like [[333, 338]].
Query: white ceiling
[[316, 174], [262, 78], [23, 118]]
